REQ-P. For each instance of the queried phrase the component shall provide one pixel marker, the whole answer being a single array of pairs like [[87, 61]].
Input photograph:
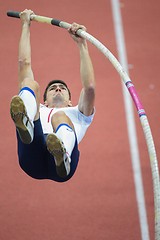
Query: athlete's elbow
[[91, 87], [90, 91]]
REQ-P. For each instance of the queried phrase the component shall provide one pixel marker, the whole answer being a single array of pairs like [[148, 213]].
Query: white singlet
[[79, 120]]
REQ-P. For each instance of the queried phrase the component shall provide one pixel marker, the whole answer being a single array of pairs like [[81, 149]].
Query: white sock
[[66, 134], [28, 97]]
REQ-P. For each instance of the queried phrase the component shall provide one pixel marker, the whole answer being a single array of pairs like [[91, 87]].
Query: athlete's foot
[[19, 116], [62, 159]]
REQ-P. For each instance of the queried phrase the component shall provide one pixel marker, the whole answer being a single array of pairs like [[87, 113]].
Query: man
[[48, 134]]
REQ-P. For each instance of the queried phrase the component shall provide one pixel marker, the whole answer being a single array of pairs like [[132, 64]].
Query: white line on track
[[135, 158]]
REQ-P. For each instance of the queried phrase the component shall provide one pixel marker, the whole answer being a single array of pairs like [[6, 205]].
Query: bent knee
[[27, 82], [59, 118]]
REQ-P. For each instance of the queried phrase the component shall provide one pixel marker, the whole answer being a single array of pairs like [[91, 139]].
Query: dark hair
[[52, 82]]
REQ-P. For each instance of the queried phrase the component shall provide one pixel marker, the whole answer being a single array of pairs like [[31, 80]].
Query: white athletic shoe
[[62, 160], [19, 115]]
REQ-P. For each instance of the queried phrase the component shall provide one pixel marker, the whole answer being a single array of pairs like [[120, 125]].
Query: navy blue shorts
[[37, 162]]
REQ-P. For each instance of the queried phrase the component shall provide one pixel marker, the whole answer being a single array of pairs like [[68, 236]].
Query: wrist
[[83, 47], [26, 24], [82, 44]]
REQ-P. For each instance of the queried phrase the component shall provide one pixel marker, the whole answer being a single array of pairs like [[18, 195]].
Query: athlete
[[48, 134]]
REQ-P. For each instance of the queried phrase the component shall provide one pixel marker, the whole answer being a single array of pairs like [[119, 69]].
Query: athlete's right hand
[[25, 16]]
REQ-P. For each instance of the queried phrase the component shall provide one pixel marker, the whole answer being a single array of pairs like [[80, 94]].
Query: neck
[[57, 104]]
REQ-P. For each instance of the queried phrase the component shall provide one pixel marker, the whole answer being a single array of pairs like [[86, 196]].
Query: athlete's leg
[[37, 162], [30, 84], [24, 110], [64, 129], [59, 118], [61, 144]]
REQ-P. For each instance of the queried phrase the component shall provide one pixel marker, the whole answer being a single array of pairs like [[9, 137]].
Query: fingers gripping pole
[[36, 18], [43, 19], [141, 112]]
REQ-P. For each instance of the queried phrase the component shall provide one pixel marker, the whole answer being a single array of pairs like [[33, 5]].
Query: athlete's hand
[[25, 16], [73, 29]]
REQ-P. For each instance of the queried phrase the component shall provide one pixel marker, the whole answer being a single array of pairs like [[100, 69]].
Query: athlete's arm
[[87, 96], [24, 54]]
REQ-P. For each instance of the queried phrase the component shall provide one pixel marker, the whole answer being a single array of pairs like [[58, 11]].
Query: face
[[57, 95]]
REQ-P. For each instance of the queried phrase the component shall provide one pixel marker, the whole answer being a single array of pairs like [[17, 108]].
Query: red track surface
[[99, 202]]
